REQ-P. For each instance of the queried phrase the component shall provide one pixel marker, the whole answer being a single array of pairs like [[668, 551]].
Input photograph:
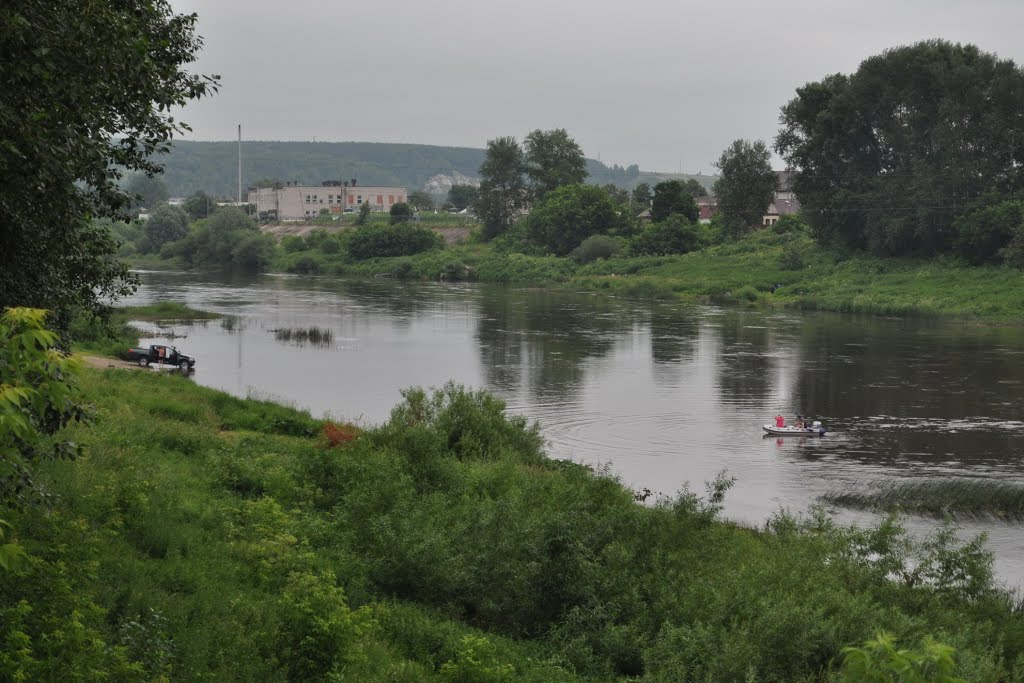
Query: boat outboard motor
[[816, 425]]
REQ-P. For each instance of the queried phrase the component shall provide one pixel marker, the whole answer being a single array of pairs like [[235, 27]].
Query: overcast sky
[[666, 84]]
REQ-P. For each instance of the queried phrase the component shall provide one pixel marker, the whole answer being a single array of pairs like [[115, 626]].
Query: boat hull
[[793, 431]]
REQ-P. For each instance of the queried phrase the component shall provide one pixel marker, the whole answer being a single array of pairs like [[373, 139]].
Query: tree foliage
[[887, 158], [674, 235], [746, 186], [461, 196], [553, 159], [400, 212], [146, 191], [38, 399], [421, 201], [165, 224], [671, 197], [502, 187], [199, 205], [85, 94], [402, 239], [641, 196], [569, 215]]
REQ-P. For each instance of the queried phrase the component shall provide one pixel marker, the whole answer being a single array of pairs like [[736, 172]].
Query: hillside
[[213, 166]]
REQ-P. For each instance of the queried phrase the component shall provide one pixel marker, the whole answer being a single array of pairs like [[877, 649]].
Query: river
[[659, 393]]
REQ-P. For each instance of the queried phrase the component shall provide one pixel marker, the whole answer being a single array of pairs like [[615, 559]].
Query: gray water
[[659, 393]]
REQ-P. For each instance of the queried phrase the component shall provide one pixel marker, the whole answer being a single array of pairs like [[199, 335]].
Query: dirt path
[[104, 363]]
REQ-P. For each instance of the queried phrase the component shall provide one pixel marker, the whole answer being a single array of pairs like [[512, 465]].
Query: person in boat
[[799, 424], [780, 421]]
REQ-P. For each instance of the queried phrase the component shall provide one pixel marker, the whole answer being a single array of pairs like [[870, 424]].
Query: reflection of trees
[[674, 334], [924, 374], [539, 340], [908, 368], [745, 371]]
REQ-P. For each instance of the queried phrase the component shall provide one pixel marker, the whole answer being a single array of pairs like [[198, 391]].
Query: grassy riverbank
[[112, 337], [204, 536], [742, 271]]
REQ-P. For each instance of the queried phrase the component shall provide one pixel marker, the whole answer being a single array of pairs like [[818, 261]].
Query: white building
[[294, 202]]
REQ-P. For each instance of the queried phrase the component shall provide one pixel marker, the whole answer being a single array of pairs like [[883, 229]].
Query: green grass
[[204, 536], [165, 310], [958, 499]]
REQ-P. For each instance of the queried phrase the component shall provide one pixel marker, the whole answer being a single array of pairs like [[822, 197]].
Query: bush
[[598, 246], [792, 257], [984, 235], [402, 239], [400, 213], [674, 235], [570, 214]]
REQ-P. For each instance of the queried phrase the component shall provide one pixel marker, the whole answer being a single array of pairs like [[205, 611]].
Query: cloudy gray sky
[[662, 83]]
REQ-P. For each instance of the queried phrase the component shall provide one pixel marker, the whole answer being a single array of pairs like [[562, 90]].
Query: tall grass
[[236, 539], [960, 498], [316, 336]]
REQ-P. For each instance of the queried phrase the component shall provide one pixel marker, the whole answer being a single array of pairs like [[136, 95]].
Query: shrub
[[792, 257], [985, 235], [402, 239], [674, 235], [598, 246]]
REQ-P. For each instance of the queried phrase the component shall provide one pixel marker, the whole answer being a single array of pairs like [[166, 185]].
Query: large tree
[[461, 196], [502, 186], [165, 224], [746, 186], [86, 91], [886, 159], [671, 197], [553, 159], [146, 191], [569, 215]]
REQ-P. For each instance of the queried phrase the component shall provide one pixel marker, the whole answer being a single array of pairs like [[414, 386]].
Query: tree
[[400, 212], [695, 188], [364, 213], [674, 235], [553, 159], [421, 201], [37, 400], [670, 197], [887, 158], [616, 193], [165, 224], [146, 191], [199, 205], [86, 94], [641, 196], [746, 185], [569, 215], [462, 196], [502, 188]]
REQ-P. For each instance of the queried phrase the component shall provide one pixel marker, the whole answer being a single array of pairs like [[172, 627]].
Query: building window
[[351, 199], [391, 199]]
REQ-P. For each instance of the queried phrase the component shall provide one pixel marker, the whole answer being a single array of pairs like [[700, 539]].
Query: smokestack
[[239, 163], [353, 182]]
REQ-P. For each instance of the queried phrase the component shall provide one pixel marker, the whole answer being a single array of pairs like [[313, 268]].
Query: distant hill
[[213, 166]]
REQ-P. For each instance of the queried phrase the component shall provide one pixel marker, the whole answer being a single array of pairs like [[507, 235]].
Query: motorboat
[[816, 429]]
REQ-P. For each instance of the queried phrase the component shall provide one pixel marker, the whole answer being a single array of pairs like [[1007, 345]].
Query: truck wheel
[[143, 362], [183, 366]]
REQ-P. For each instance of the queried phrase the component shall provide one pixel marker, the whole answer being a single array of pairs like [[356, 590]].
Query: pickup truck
[[157, 353]]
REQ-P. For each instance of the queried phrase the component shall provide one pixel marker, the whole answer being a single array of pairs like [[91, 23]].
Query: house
[[294, 202], [785, 202]]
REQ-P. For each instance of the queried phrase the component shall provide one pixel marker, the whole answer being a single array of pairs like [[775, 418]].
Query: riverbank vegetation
[[957, 499], [204, 535]]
